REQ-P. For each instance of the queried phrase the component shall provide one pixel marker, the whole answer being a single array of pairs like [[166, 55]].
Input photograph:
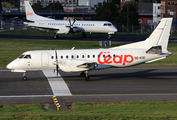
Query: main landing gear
[[24, 76], [55, 36], [85, 74]]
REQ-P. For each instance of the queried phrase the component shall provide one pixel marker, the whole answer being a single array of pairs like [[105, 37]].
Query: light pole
[[127, 15]]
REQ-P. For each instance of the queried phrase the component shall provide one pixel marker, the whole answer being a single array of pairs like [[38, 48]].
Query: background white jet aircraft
[[152, 49], [67, 26]]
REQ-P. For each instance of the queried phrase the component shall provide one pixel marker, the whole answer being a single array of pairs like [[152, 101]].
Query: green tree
[[54, 6], [13, 3], [106, 11], [0, 6], [6, 5], [37, 6], [132, 13]]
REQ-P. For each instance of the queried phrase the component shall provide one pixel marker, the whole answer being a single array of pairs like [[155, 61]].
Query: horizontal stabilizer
[[155, 50]]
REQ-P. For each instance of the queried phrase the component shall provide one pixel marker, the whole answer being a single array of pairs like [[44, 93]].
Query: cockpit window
[[109, 24], [21, 56], [27, 57]]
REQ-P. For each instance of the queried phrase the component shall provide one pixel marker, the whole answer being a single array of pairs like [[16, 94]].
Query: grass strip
[[143, 110]]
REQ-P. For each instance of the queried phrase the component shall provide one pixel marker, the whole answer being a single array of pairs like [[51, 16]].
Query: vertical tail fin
[[30, 14], [160, 35]]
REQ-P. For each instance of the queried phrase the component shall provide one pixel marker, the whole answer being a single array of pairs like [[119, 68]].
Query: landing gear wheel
[[87, 78], [55, 36], [84, 35], [24, 78], [82, 74]]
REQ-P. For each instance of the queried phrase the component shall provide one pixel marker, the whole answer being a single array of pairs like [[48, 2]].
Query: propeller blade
[[70, 23], [57, 69], [56, 61], [74, 22]]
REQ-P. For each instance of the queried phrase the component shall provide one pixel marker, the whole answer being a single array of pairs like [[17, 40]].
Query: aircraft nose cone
[[115, 29], [9, 66]]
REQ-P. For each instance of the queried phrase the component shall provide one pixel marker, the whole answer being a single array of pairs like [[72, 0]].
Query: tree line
[[51, 6], [111, 12], [106, 11]]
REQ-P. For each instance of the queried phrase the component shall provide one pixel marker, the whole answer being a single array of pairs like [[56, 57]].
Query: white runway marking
[[25, 96], [57, 84]]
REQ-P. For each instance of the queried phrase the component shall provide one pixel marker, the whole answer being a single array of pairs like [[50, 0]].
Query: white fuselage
[[66, 26], [62, 26], [68, 60]]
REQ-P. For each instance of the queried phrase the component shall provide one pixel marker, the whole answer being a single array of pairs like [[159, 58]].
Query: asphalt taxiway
[[115, 38], [139, 83]]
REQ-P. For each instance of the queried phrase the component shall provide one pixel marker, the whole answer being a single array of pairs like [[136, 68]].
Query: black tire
[[82, 74], [24, 78], [55, 36], [84, 35]]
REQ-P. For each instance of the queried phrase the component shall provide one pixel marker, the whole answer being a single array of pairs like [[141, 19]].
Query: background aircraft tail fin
[[30, 14], [159, 37]]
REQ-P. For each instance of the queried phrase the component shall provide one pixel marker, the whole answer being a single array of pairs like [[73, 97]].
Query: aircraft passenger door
[[45, 59]]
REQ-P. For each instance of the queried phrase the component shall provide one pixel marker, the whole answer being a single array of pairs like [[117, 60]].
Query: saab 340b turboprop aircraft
[[65, 26], [83, 60]]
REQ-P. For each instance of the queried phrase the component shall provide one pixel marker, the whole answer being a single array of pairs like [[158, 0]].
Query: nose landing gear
[[109, 36], [55, 36], [24, 76]]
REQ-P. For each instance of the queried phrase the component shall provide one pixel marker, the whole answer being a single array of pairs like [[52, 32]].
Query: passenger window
[[77, 56], [67, 57], [88, 56], [98, 56], [27, 57], [108, 55], [51, 57], [82, 56], [103, 56], [72, 56], [114, 55], [93, 56], [61, 57]]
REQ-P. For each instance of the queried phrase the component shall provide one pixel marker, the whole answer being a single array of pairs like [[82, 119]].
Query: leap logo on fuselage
[[119, 59]]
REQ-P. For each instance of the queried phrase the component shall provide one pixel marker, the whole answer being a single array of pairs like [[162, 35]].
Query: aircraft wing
[[47, 28], [76, 65], [89, 65], [56, 29]]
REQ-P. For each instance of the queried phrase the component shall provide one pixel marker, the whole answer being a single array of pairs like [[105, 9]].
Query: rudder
[[30, 14]]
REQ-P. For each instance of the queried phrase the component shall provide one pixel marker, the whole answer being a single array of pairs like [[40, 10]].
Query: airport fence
[[141, 28]]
